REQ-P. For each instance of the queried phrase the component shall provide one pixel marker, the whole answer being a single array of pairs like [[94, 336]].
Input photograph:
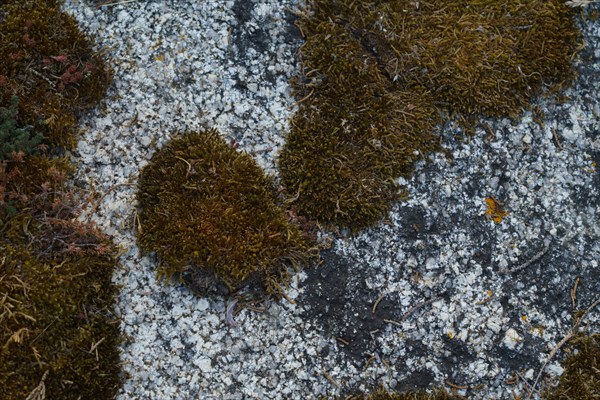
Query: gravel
[[459, 299]]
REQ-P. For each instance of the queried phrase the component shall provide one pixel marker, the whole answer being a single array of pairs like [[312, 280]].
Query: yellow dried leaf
[[495, 211]]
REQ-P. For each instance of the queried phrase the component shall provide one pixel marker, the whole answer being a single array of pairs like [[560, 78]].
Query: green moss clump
[[57, 328], [58, 334], [479, 56], [50, 65], [581, 378], [211, 215], [352, 135], [382, 394], [378, 75]]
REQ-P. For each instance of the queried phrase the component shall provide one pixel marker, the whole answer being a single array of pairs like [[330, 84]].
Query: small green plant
[[211, 215], [12, 138]]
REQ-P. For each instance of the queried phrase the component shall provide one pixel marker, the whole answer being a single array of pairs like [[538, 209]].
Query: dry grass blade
[[39, 392], [580, 3]]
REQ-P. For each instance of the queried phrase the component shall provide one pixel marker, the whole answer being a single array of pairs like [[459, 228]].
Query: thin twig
[[302, 100], [116, 3], [564, 340], [574, 293], [43, 77], [39, 392], [556, 139], [527, 263], [330, 378], [136, 218], [229, 313], [487, 300], [530, 390], [454, 386], [415, 308], [282, 293], [550, 356], [377, 302], [95, 347]]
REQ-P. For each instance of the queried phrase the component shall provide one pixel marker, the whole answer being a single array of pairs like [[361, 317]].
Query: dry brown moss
[[581, 378], [377, 75], [49, 64], [382, 394], [480, 56], [58, 335], [56, 297], [56, 294], [56, 317], [211, 215], [352, 134]]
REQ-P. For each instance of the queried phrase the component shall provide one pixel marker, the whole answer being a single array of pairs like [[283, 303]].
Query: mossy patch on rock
[[56, 318], [50, 65], [57, 328], [479, 56], [382, 394], [581, 378], [211, 215], [58, 334], [378, 76]]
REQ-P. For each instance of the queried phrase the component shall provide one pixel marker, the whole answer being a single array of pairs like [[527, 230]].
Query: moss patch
[[49, 64], [378, 76], [581, 378], [382, 394], [57, 329], [56, 318], [211, 215], [58, 335]]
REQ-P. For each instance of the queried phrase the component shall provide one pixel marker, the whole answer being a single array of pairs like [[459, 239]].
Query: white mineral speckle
[[511, 338]]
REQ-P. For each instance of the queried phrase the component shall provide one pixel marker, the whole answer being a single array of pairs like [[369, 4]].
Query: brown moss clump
[[56, 325], [382, 394], [49, 64], [480, 56], [377, 75], [352, 135], [581, 378], [58, 335], [57, 329], [28, 179], [211, 215]]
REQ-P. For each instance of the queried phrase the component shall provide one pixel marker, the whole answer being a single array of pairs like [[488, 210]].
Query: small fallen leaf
[[495, 211]]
